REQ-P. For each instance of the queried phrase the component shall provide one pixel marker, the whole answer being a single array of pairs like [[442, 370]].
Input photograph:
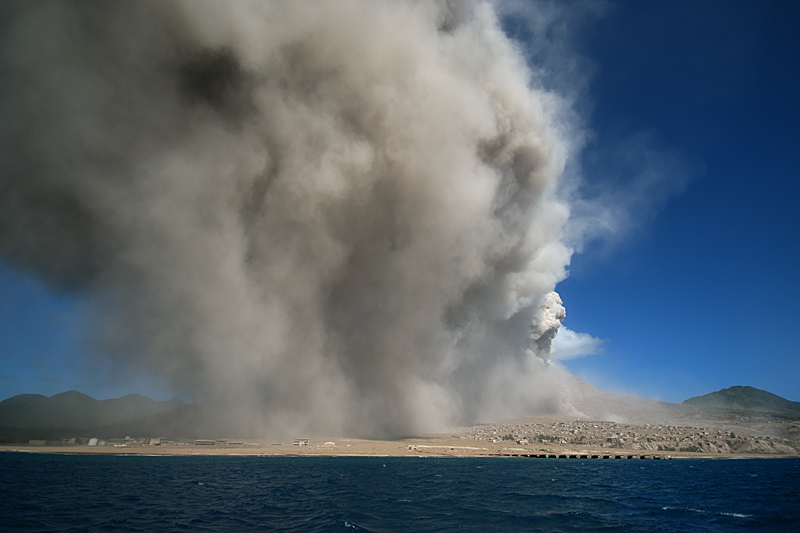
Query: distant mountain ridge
[[73, 414], [743, 397], [74, 410]]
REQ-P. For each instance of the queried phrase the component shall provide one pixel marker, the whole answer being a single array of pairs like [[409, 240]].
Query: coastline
[[549, 437], [411, 447]]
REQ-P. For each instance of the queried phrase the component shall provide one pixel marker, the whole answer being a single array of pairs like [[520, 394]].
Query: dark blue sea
[[42, 492]]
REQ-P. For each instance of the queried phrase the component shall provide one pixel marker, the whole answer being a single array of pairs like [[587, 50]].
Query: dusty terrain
[[598, 424], [535, 436]]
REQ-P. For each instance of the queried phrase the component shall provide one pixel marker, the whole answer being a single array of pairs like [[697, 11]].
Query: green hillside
[[74, 410], [745, 398]]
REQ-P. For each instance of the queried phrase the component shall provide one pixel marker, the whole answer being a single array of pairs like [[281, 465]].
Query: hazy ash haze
[[333, 216]]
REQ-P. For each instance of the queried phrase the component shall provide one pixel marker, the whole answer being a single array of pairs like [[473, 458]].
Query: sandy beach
[[432, 446], [651, 432]]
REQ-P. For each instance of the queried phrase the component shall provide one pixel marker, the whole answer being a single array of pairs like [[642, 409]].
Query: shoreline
[[416, 447], [531, 437]]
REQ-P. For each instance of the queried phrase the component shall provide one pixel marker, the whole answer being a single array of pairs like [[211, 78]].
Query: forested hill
[[746, 398], [75, 410]]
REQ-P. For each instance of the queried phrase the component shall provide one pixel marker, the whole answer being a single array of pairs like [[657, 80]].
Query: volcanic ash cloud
[[330, 216]]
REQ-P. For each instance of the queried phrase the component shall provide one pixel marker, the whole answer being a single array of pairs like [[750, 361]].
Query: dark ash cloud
[[322, 216]]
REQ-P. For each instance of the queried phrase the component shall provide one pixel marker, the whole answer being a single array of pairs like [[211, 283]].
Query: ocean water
[[43, 492]]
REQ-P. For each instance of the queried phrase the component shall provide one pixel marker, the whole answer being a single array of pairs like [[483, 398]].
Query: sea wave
[[42, 492]]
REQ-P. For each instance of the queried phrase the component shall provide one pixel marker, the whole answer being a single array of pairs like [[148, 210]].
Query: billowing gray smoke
[[327, 216], [545, 325]]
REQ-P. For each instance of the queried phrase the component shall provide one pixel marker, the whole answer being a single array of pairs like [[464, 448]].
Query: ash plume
[[327, 216], [546, 322]]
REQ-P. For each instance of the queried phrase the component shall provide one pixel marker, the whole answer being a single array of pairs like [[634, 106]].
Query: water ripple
[[198, 494]]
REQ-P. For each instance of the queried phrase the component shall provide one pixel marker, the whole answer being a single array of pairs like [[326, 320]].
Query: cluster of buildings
[[134, 441], [598, 435]]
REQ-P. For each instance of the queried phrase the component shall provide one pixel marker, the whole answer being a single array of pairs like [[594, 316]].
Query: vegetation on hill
[[74, 410], [745, 398]]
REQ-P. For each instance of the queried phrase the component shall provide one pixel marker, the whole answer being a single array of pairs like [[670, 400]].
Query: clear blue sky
[[705, 295], [702, 292]]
